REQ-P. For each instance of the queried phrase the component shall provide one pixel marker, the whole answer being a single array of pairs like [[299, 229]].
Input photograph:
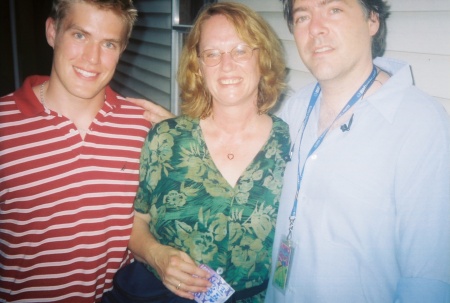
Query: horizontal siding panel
[[261, 5], [144, 69], [278, 24], [134, 88], [419, 5], [155, 96], [156, 36], [292, 57], [421, 32], [431, 72], [153, 6], [154, 21], [297, 79], [144, 76], [155, 66], [155, 51]]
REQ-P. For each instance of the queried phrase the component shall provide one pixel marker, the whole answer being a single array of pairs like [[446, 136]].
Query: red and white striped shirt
[[66, 205]]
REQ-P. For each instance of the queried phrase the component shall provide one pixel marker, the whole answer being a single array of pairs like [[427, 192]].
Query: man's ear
[[374, 23], [50, 31]]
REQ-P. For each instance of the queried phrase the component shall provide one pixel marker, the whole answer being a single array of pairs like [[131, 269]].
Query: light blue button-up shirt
[[373, 216]]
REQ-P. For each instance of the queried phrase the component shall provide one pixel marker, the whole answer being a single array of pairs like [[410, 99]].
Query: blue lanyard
[[312, 102]]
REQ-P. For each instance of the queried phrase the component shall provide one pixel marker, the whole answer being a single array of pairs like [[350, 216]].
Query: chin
[[324, 74]]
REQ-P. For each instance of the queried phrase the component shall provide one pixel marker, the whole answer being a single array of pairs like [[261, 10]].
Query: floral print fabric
[[193, 208]]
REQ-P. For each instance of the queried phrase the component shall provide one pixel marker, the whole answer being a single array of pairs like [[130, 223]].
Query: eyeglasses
[[241, 53]]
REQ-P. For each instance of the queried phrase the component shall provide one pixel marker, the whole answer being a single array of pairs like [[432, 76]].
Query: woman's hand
[[177, 270], [153, 112]]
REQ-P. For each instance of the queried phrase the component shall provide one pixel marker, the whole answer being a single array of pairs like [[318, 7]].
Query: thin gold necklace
[[41, 93]]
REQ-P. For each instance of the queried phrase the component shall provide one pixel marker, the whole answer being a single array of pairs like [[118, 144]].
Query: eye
[[110, 45], [240, 51], [79, 35], [212, 54], [335, 11], [300, 19]]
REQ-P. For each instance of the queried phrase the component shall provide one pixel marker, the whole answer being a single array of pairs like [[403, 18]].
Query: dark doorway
[[33, 54]]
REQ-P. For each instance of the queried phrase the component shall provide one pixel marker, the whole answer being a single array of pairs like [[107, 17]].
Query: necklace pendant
[[230, 156]]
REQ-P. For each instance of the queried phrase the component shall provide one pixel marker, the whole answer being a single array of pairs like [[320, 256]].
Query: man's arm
[[423, 206]]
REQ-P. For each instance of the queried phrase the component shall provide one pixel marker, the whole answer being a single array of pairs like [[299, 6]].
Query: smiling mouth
[[85, 73], [322, 49], [231, 81]]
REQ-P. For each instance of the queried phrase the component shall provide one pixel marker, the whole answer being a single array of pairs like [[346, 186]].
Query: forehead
[[319, 3], [218, 29], [94, 19], [216, 23]]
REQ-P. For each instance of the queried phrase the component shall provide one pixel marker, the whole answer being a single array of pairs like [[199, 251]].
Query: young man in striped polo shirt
[[69, 162]]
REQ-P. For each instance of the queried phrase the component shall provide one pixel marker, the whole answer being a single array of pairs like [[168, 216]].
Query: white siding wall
[[418, 32], [144, 70]]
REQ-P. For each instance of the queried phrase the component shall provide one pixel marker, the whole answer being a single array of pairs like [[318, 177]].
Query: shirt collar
[[30, 105], [26, 100], [389, 97]]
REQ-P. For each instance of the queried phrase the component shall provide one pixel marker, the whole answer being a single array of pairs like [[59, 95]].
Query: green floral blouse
[[193, 208]]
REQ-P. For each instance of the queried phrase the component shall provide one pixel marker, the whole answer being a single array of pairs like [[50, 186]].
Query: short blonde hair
[[256, 32], [123, 8]]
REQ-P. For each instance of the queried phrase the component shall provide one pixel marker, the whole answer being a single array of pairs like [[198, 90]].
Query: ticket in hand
[[219, 292]]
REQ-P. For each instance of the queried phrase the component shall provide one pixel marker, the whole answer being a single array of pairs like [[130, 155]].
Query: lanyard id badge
[[284, 260], [286, 249], [282, 266]]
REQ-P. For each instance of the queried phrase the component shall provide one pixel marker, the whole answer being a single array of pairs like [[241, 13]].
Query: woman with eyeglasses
[[210, 180]]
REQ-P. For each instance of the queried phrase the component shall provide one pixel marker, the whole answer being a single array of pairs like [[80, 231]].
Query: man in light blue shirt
[[371, 222]]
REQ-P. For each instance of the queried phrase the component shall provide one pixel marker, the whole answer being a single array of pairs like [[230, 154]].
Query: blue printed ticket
[[219, 292]]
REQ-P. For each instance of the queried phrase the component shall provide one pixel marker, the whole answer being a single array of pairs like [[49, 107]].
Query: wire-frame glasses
[[212, 57]]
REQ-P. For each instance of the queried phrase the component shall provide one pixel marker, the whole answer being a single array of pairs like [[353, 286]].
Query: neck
[[337, 92], [74, 108], [235, 120], [336, 97]]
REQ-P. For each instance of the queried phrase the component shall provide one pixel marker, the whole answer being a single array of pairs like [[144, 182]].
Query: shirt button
[[219, 270], [72, 131], [314, 157]]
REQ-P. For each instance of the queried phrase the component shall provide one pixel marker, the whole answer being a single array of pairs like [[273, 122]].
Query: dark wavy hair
[[378, 7]]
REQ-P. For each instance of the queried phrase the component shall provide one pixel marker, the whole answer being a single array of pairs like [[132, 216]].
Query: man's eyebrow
[[324, 2], [320, 3], [78, 28], [119, 41], [73, 26]]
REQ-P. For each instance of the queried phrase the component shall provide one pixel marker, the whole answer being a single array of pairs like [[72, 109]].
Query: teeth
[[231, 81], [322, 49], [85, 73]]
